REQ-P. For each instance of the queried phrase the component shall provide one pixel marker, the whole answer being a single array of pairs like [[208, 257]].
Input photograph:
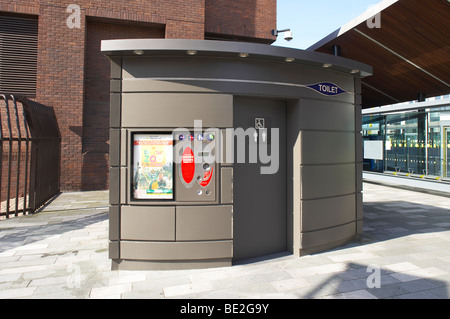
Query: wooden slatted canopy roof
[[409, 53]]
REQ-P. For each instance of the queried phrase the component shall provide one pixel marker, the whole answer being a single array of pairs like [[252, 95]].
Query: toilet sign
[[327, 88]]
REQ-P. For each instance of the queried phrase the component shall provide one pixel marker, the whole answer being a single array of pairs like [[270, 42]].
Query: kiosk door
[[259, 213]]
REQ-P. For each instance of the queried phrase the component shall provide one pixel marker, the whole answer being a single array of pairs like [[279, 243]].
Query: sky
[[312, 20]]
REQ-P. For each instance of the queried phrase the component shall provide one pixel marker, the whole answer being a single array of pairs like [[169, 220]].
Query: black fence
[[30, 152]]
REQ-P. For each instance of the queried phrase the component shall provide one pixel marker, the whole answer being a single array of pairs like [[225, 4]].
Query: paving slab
[[62, 252]]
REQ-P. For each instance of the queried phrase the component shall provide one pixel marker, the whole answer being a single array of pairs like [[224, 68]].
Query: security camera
[[288, 36]]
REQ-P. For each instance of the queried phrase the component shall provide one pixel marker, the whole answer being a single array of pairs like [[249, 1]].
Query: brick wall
[[95, 130], [73, 76], [252, 20]]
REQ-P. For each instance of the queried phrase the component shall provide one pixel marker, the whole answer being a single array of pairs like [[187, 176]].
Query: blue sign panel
[[327, 88]]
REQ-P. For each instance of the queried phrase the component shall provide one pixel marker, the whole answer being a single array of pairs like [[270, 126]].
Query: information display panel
[[153, 166]]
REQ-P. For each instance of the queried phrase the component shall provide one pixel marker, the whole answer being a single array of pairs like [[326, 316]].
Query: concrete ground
[[62, 252]]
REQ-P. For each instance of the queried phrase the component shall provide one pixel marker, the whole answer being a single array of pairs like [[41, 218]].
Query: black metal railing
[[30, 152]]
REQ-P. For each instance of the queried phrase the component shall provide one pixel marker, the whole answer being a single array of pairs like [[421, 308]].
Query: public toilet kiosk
[[225, 151]]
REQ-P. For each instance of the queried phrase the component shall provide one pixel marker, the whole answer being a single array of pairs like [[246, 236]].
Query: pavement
[[62, 252]]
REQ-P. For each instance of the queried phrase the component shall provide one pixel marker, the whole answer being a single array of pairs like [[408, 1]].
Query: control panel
[[196, 167]]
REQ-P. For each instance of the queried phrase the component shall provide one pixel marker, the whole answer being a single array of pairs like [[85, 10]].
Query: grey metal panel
[[194, 223], [293, 176], [124, 147], [327, 147], [359, 206], [359, 227], [226, 185], [327, 180], [114, 222], [114, 147], [184, 70], [227, 157], [243, 77], [328, 236], [169, 265], [176, 250], [123, 185], [359, 147], [270, 89], [358, 84], [259, 200], [147, 223], [114, 185], [326, 115], [176, 110], [358, 117], [150, 85], [115, 86], [116, 68], [115, 106], [359, 173], [358, 99], [114, 249], [327, 213]]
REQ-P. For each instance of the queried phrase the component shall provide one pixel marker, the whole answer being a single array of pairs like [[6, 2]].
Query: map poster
[[153, 166]]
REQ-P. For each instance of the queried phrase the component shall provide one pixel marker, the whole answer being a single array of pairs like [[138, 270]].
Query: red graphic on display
[[207, 178], [188, 165]]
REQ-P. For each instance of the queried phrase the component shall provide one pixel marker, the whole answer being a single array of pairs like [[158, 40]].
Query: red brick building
[[71, 75]]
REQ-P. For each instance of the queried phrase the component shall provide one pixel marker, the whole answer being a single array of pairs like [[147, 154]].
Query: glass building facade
[[413, 142]]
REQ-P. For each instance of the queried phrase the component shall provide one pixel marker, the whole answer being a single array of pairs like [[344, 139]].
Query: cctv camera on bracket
[[287, 34]]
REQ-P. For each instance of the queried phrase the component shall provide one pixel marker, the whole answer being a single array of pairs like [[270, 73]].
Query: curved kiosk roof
[[222, 151]]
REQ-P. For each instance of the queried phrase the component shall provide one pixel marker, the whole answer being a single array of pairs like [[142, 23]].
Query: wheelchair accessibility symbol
[[260, 123]]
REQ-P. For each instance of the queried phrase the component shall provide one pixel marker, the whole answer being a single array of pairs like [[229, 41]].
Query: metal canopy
[[210, 48], [407, 42]]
